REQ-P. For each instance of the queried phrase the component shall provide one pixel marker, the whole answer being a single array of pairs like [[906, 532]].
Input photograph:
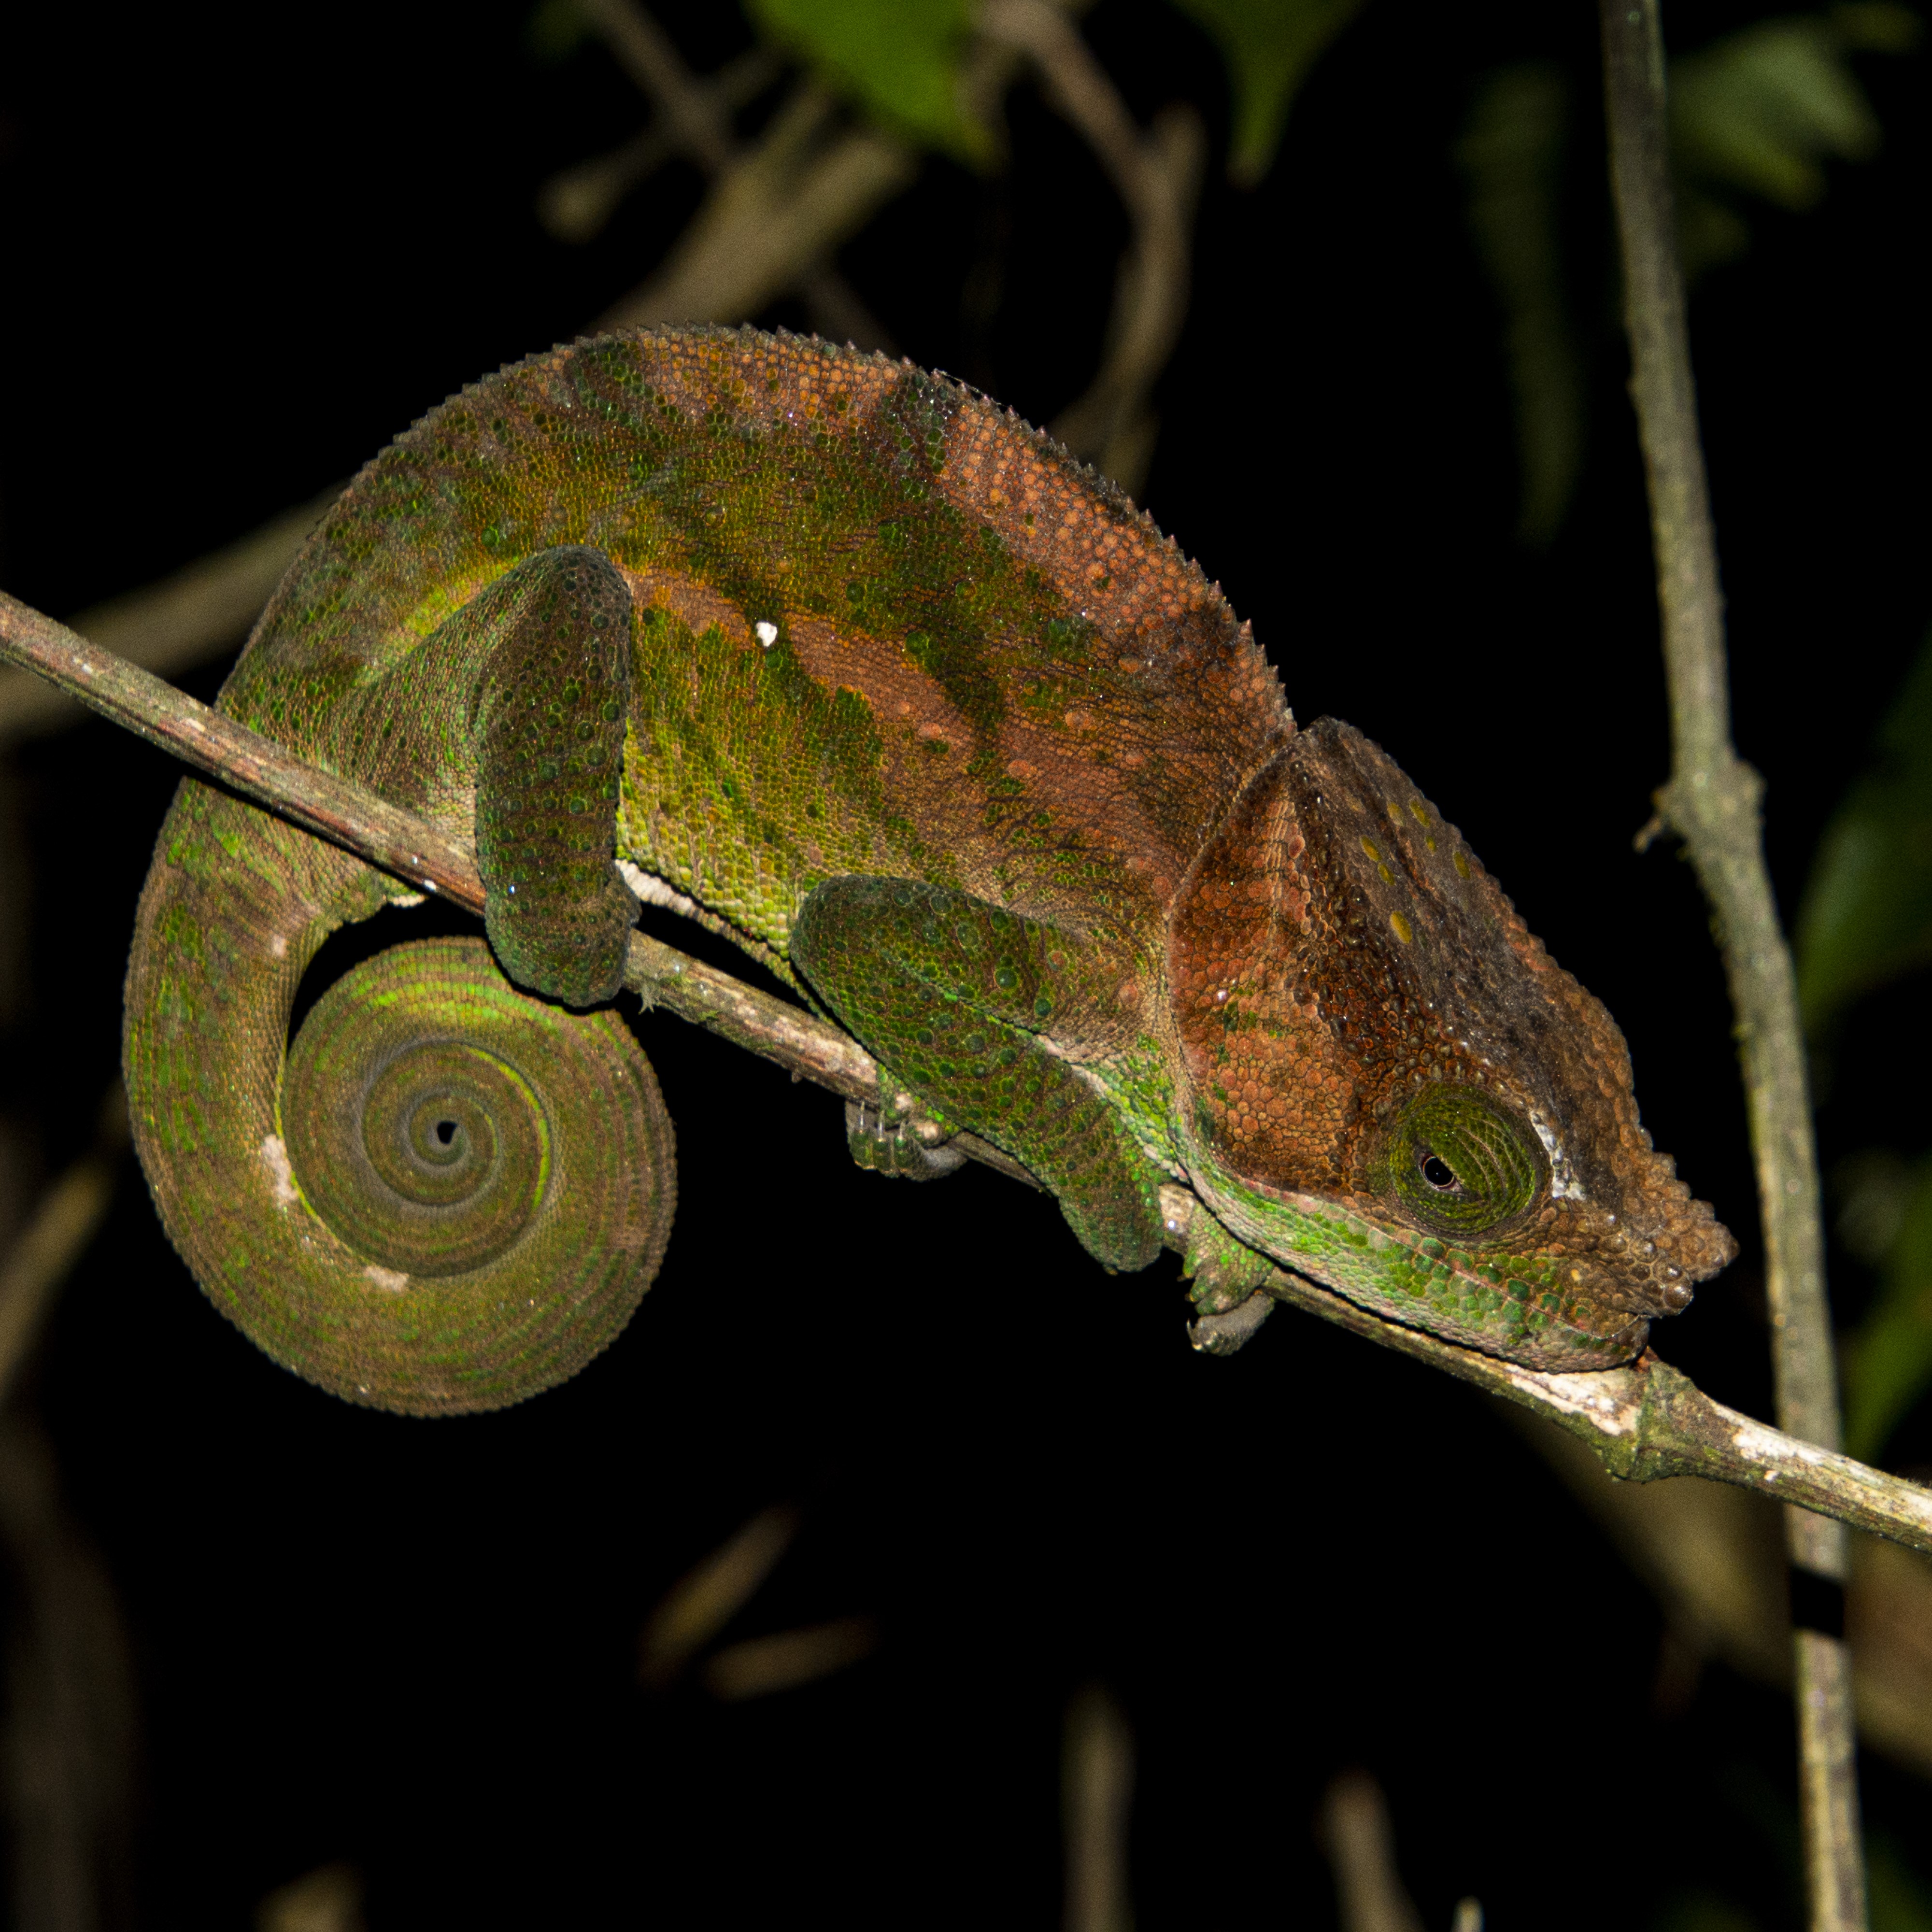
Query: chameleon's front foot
[[890, 1146], [1224, 1282], [1234, 1328]]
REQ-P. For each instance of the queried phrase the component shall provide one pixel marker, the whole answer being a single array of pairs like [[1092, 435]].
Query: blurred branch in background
[[70, 1737], [1712, 1556], [1354, 1831], [1360, 1846], [172, 626], [1097, 1792], [70, 1726], [1158, 179], [776, 214], [760, 1665], [42, 1255], [696, 1609], [576, 204], [710, 1594], [328, 1899]]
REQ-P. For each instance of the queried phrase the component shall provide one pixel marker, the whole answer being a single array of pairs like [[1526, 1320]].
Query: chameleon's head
[[1397, 1091]]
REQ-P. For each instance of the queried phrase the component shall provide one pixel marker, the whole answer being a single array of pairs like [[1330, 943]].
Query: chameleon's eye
[[1459, 1163]]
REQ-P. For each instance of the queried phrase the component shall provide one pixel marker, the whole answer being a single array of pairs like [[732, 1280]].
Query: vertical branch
[[1712, 802]]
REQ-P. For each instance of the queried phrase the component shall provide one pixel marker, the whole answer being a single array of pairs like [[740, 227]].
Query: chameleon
[[843, 661]]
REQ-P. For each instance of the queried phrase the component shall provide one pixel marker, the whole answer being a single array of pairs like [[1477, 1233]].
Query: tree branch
[[1712, 802], [1643, 1421]]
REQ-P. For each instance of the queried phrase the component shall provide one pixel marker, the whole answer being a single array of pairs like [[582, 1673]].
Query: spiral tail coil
[[494, 1174], [446, 1197]]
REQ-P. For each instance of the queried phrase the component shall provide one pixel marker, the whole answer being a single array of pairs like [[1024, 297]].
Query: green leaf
[[900, 60], [1866, 917], [1759, 113], [1511, 155], [1887, 1362], [1269, 46]]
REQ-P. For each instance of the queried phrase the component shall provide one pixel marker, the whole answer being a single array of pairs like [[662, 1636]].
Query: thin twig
[[1712, 802], [1641, 1422], [1157, 177]]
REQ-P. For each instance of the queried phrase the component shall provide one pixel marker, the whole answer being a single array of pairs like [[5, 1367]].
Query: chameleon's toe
[[889, 1147]]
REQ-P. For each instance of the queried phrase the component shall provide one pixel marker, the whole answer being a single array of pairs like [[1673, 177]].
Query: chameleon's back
[[882, 624], [880, 627]]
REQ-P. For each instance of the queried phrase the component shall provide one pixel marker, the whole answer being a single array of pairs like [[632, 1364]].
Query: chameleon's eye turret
[[1459, 1164]]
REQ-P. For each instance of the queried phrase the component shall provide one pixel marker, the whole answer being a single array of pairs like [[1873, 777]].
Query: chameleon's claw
[[1222, 1334], [891, 1147]]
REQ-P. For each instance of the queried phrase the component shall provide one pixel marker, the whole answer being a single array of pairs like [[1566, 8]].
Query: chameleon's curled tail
[[444, 1195]]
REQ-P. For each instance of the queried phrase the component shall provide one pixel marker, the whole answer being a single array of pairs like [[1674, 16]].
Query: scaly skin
[[876, 681]]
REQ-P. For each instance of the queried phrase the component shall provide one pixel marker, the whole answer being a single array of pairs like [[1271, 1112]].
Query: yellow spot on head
[[1576, 1274], [1430, 843], [1394, 812], [1369, 847], [1388, 877], [1461, 865], [1418, 812], [1403, 930]]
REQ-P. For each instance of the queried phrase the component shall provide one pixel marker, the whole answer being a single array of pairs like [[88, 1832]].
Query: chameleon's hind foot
[[884, 1146]]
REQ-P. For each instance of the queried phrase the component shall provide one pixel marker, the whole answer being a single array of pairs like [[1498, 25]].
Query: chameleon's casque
[[850, 664]]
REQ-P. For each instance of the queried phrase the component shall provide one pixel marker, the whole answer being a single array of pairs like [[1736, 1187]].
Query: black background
[[242, 249]]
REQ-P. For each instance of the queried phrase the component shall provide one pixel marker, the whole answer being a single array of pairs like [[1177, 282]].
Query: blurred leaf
[[1511, 155], [1760, 112], [556, 29], [1269, 46], [1703, 1912], [1867, 913], [1897, 1896], [899, 59], [1888, 1363]]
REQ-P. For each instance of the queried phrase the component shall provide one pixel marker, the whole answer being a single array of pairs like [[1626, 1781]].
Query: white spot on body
[[768, 632], [387, 1279], [408, 898], [278, 946], [275, 1159]]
